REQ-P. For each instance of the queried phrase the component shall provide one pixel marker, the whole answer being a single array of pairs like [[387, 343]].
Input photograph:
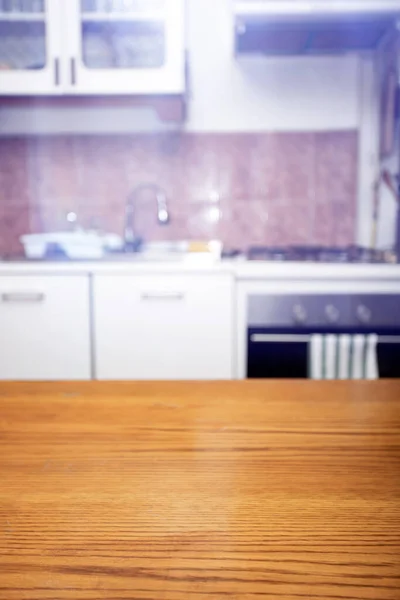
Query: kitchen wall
[[275, 189], [269, 153]]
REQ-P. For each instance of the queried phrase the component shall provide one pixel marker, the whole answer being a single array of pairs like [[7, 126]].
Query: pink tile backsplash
[[270, 188]]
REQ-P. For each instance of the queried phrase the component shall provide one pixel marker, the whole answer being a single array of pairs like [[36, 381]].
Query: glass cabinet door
[[28, 55], [128, 46]]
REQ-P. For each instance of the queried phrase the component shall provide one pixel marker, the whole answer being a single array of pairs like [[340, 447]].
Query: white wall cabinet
[[138, 51], [164, 327], [92, 47], [44, 328], [30, 47]]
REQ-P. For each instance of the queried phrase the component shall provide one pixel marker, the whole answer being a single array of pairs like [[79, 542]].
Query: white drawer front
[[44, 328], [164, 327]]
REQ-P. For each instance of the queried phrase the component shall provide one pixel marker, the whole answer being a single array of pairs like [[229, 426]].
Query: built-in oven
[[281, 328]]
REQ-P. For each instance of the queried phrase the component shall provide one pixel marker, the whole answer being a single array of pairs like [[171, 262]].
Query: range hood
[[292, 27]]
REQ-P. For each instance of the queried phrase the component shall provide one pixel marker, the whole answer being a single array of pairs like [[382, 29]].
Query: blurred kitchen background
[[142, 141], [257, 139]]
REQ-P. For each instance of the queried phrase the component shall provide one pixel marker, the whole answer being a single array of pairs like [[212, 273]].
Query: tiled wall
[[273, 189]]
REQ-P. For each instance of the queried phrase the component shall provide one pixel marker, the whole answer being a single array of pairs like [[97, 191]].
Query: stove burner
[[350, 254]]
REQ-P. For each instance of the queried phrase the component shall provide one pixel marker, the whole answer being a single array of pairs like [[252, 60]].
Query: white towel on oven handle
[[372, 366], [330, 356], [323, 356], [358, 357], [344, 357], [344, 347], [365, 357], [316, 357]]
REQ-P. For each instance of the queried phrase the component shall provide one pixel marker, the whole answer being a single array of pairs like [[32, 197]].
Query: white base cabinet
[[45, 328], [160, 327]]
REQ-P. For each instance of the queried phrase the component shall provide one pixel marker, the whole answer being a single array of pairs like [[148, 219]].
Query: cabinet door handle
[[57, 71], [28, 297], [162, 296], [73, 71]]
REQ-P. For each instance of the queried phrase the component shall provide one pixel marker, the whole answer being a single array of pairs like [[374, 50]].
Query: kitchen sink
[[166, 252], [173, 251], [139, 257]]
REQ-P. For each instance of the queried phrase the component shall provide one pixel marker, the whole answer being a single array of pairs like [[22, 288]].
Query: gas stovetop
[[349, 254]]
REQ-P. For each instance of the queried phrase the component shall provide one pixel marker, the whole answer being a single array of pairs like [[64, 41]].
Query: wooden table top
[[242, 490]]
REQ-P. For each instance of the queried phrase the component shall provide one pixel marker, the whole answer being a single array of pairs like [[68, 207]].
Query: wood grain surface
[[241, 490]]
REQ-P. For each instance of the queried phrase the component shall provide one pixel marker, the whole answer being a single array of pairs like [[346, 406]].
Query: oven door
[[285, 354]]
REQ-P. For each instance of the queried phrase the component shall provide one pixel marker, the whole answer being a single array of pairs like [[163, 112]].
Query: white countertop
[[242, 270], [111, 266]]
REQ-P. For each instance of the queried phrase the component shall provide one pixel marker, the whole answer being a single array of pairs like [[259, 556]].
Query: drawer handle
[[57, 71], [73, 71], [148, 296], [28, 297]]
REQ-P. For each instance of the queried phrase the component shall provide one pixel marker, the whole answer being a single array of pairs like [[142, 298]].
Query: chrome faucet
[[132, 241]]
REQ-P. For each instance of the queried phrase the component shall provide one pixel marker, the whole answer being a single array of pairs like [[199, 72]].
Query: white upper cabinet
[[30, 47], [126, 46], [92, 47]]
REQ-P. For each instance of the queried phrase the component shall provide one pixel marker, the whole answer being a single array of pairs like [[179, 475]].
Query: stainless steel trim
[[260, 338], [162, 296], [32, 297]]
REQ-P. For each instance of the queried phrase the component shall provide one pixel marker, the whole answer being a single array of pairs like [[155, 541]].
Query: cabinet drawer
[[168, 327], [44, 324]]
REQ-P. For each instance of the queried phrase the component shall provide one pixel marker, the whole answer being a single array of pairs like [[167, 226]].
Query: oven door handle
[[262, 338], [389, 339], [276, 338]]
